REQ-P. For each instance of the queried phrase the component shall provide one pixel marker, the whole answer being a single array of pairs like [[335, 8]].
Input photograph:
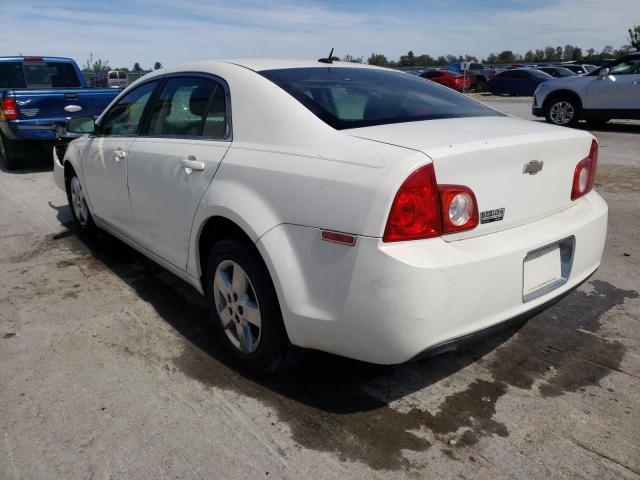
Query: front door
[[620, 90], [173, 161], [104, 159]]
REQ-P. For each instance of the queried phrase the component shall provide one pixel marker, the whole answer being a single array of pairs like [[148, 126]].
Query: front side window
[[124, 117], [182, 107], [627, 66], [346, 97]]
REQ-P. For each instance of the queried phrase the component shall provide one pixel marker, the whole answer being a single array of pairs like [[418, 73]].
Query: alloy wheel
[[561, 112], [78, 201], [237, 306]]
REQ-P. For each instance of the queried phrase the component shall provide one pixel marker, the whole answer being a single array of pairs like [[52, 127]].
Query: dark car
[[558, 72], [520, 81]]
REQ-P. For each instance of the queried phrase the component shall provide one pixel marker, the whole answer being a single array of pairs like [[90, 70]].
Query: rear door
[[104, 159], [185, 137]]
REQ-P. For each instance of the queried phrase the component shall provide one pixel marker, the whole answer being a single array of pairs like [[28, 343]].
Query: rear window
[[11, 75], [361, 97], [113, 75], [50, 75]]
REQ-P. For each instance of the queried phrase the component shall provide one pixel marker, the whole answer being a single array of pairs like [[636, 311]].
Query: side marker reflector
[[337, 237]]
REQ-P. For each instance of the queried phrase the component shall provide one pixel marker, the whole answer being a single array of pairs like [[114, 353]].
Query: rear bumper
[[388, 303]]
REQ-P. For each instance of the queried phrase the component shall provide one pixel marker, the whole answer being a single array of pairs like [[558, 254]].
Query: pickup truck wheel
[[11, 153], [563, 111], [481, 85], [78, 204], [245, 309]]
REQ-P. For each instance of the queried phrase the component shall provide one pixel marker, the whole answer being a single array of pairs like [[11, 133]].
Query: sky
[[171, 32]]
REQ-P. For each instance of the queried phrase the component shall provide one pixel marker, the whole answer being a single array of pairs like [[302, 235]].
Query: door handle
[[119, 155], [190, 164], [636, 82]]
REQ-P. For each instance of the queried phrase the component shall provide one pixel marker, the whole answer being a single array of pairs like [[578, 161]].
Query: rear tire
[[11, 153], [563, 111], [245, 309], [481, 86]]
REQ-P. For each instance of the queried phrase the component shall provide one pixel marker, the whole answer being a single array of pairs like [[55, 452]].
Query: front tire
[[245, 309], [78, 204], [11, 153], [563, 111]]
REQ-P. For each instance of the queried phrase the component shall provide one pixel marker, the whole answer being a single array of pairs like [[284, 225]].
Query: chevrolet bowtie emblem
[[533, 167]]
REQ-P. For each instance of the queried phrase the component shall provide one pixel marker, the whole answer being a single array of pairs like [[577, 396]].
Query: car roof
[[260, 64]]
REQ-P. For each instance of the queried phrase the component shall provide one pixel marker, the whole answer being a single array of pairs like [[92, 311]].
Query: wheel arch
[[563, 93]]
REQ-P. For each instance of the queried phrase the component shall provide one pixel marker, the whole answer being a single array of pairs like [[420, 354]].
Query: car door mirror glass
[[84, 124]]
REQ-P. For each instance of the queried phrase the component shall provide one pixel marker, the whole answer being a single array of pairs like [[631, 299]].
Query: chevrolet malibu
[[346, 208]]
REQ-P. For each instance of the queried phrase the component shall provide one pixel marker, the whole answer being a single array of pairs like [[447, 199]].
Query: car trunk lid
[[497, 157]]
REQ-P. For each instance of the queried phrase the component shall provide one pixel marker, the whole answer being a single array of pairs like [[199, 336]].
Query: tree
[[408, 60], [378, 59], [538, 56], [550, 54], [97, 70], [634, 37], [136, 68], [157, 66], [506, 56], [425, 60], [529, 56], [352, 59], [577, 54], [441, 61], [559, 52]]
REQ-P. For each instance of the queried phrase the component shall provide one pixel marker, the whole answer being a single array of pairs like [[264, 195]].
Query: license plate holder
[[547, 268]]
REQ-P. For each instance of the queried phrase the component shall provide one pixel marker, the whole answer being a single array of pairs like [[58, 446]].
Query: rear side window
[[182, 107], [359, 97], [11, 75], [122, 75], [124, 117], [50, 75]]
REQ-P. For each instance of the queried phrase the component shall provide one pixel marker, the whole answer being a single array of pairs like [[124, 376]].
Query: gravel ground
[[108, 369]]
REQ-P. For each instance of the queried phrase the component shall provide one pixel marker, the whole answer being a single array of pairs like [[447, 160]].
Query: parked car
[[37, 93], [116, 78], [558, 72], [519, 81], [612, 91], [578, 69], [346, 208], [477, 72], [448, 79]]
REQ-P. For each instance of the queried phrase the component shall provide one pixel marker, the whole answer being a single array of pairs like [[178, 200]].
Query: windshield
[[360, 97]]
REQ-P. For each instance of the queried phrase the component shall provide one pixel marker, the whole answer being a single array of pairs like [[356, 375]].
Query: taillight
[[459, 208], [10, 108], [415, 212], [424, 209], [585, 173]]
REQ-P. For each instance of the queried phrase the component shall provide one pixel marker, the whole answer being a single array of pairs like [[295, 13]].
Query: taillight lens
[[10, 108], [585, 173], [459, 208], [424, 209], [415, 212]]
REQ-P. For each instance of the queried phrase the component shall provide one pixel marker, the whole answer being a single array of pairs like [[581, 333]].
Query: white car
[[612, 91], [339, 207], [117, 79]]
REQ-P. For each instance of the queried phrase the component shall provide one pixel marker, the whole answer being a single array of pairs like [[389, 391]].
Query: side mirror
[[603, 73], [81, 125]]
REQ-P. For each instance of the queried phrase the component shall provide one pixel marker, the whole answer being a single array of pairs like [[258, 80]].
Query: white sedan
[[345, 208]]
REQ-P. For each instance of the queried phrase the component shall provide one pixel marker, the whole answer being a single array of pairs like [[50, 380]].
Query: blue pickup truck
[[37, 93]]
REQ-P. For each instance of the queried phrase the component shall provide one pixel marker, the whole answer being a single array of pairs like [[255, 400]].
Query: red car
[[448, 79]]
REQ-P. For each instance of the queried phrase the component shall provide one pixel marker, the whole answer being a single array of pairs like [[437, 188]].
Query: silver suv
[[612, 91]]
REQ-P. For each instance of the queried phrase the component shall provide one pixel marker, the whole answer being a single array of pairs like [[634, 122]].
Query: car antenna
[[328, 59]]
